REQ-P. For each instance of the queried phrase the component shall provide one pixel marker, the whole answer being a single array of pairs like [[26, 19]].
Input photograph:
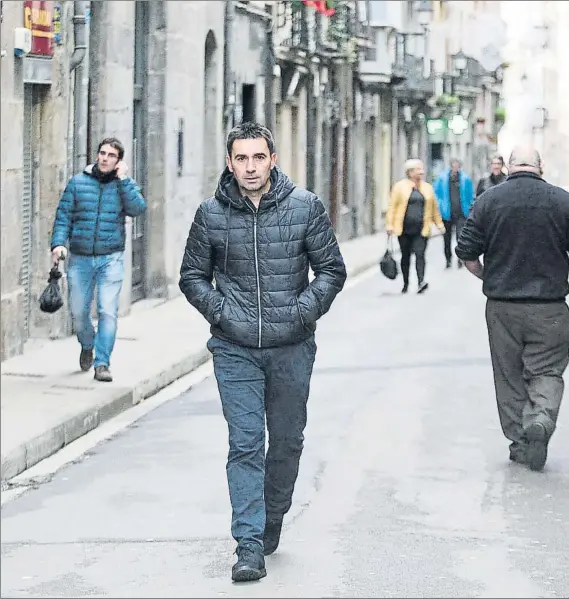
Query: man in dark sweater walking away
[[522, 228], [257, 237]]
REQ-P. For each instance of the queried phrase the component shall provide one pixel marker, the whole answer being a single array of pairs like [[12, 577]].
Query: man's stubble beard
[[259, 187]]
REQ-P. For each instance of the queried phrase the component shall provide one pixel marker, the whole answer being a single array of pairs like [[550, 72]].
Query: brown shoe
[[103, 374], [86, 359]]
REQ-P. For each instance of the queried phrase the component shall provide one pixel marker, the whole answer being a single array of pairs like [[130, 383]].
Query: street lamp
[[459, 61], [424, 13]]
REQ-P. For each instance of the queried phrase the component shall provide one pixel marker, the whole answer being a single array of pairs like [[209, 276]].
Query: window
[[248, 102]]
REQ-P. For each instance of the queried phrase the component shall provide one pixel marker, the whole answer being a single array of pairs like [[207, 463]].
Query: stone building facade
[[347, 91], [153, 74]]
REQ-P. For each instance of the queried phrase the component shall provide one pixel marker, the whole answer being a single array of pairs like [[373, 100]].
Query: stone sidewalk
[[47, 402]]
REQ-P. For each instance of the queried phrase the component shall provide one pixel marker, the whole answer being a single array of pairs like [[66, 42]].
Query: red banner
[[38, 17]]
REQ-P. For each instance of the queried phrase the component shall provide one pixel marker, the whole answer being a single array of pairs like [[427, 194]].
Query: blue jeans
[[107, 273], [255, 384]]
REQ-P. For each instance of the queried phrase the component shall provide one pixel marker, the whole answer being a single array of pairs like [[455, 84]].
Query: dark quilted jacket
[[260, 262], [489, 181], [91, 214]]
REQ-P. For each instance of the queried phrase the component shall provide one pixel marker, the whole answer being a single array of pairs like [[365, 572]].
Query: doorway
[[248, 101], [210, 135], [139, 146]]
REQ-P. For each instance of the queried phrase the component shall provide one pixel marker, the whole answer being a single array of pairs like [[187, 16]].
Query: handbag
[[387, 264], [51, 298]]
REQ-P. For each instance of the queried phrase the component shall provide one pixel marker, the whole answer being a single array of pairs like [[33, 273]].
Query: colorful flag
[[324, 7]]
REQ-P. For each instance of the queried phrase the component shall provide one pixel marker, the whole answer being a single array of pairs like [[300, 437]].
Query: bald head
[[525, 158]]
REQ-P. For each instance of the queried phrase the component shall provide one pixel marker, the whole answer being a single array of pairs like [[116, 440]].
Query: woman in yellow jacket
[[413, 209]]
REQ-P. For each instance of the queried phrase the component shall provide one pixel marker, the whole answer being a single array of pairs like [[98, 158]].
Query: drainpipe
[[269, 62], [80, 64]]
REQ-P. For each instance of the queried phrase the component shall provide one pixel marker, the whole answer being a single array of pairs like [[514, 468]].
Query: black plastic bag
[[51, 299], [387, 264]]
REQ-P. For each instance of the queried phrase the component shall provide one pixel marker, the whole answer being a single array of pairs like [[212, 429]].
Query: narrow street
[[405, 488]]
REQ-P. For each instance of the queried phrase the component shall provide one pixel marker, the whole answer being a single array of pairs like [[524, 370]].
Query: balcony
[[339, 35], [468, 82], [292, 27], [383, 64], [386, 15], [416, 86]]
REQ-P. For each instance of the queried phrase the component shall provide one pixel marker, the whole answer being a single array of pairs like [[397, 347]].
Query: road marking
[[43, 471]]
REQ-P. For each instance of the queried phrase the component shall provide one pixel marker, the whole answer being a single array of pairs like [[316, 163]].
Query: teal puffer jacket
[[91, 214]]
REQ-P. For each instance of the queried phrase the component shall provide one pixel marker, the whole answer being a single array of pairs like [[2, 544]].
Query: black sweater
[[522, 228]]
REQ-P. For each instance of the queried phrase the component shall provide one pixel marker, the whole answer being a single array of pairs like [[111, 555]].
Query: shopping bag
[[387, 264], [51, 298]]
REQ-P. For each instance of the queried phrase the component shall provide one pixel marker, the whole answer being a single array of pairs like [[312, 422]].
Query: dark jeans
[[456, 224], [412, 244], [255, 384], [529, 344]]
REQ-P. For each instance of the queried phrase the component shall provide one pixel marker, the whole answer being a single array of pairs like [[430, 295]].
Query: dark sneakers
[[423, 287], [103, 374], [537, 438], [518, 457], [272, 535], [250, 563], [86, 359], [518, 452]]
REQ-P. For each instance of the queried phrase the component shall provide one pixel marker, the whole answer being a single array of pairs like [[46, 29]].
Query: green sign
[[435, 126]]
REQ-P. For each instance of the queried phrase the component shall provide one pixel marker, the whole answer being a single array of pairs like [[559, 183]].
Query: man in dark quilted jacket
[[90, 218], [256, 238]]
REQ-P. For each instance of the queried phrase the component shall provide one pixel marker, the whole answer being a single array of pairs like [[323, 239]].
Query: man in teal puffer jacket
[[90, 219]]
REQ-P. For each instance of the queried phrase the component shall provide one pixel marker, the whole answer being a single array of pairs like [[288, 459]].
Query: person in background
[[522, 229], [412, 211], [91, 218], [495, 177], [455, 194]]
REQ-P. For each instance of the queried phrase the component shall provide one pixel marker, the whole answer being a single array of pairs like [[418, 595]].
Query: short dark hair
[[114, 143], [497, 157], [250, 131]]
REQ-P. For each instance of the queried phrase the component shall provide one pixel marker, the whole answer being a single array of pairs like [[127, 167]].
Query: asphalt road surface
[[405, 487]]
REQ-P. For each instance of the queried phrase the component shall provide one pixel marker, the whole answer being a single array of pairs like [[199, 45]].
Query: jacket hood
[[228, 192], [93, 171]]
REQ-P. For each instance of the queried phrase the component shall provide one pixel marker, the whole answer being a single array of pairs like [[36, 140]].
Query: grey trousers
[[529, 345]]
